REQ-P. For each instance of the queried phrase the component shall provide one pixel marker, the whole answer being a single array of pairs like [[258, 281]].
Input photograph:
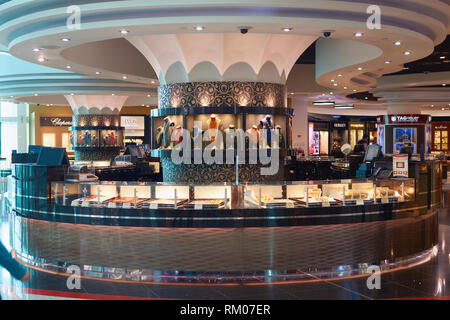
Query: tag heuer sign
[[56, 121]]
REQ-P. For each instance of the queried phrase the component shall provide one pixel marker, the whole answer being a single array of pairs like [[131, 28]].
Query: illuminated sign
[[400, 165], [56, 121]]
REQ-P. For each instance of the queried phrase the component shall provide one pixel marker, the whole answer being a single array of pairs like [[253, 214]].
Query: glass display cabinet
[[245, 196]]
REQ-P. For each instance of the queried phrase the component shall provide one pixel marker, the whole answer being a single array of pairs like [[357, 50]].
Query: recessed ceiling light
[[331, 93], [442, 57], [41, 59], [345, 88], [398, 43], [97, 72], [124, 31], [332, 80], [149, 95], [153, 81], [407, 53], [124, 77], [199, 28], [358, 34], [432, 105], [287, 29], [443, 109], [359, 68], [113, 94], [65, 39], [36, 49], [292, 93], [443, 84], [69, 67], [387, 61], [335, 84], [354, 90], [339, 75], [366, 98], [35, 94]]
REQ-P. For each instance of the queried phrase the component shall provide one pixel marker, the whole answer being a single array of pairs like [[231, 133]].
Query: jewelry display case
[[134, 195]]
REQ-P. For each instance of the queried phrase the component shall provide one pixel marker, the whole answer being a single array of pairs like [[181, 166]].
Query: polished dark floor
[[427, 281]]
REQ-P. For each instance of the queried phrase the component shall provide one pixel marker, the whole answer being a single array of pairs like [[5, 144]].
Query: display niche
[[96, 137], [212, 113]]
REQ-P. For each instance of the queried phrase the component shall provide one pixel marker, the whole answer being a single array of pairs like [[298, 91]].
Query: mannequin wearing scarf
[[167, 131], [266, 123], [178, 135], [281, 142], [158, 138], [196, 137], [214, 124], [253, 135], [229, 136]]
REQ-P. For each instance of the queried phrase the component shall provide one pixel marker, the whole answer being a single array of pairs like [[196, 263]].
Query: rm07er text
[[243, 309]]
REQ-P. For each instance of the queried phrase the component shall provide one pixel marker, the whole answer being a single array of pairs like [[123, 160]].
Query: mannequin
[[158, 138], [167, 131], [253, 134], [229, 136], [178, 135], [80, 140], [281, 141], [290, 132], [214, 124], [196, 135], [266, 123], [111, 139]]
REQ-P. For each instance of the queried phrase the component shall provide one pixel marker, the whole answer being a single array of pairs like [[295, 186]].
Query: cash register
[[365, 169]]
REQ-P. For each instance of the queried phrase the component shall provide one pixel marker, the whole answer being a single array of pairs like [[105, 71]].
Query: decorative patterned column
[[96, 131], [238, 79]]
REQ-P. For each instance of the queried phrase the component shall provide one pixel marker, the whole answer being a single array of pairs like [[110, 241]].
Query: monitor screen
[[373, 150]]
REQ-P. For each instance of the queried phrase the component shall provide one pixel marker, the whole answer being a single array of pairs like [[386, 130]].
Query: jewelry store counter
[[156, 232]]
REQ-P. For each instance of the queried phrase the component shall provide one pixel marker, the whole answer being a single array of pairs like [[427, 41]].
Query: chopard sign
[[56, 121]]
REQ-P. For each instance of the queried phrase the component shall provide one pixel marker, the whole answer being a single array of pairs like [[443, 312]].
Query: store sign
[[340, 125], [134, 125], [56, 121], [399, 119], [441, 127], [400, 165], [357, 125], [320, 126]]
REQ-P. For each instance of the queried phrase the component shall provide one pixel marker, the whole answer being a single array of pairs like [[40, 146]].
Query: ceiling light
[[339, 75], [113, 94], [41, 59], [65, 39], [332, 80], [407, 53], [71, 94], [345, 88], [398, 43], [358, 34], [149, 95], [443, 109], [292, 93], [443, 84], [354, 90], [442, 57], [124, 31], [359, 68], [153, 81], [97, 72], [366, 98], [36, 49], [432, 105], [124, 77], [335, 84], [344, 106], [69, 67], [287, 29], [35, 94], [331, 93], [199, 28], [323, 103], [387, 61]]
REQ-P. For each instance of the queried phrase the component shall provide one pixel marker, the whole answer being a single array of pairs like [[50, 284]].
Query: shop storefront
[[398, 131], [137, 129], [439, 137], [319, 138], [356, 132]]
